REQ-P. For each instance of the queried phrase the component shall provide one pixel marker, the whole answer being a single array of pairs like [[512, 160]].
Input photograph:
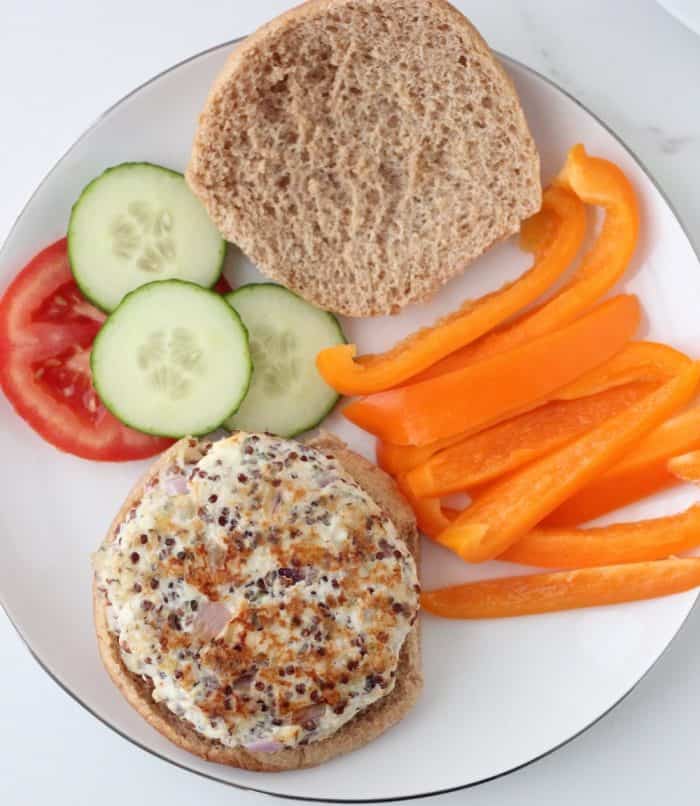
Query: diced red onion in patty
[[211, 619], [175, 485], [276, 501], [264, 746], [244, 682], [311, 713]]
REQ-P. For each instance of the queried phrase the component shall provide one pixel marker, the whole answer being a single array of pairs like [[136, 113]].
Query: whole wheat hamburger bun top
[[363, 152]]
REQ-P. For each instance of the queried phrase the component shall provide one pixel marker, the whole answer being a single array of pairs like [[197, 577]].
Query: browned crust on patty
[[364, 727]]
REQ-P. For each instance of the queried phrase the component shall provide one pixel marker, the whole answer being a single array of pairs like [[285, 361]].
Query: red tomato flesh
[[222, 285], [46, 331]]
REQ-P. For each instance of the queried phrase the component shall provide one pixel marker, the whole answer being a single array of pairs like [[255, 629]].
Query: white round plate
[[498, 694], [685, 11]]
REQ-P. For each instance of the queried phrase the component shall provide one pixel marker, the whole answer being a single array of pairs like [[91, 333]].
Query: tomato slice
[[222, 285], [46, 331]]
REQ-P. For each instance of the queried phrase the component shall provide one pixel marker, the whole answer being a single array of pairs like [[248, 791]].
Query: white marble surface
[[61, 64]]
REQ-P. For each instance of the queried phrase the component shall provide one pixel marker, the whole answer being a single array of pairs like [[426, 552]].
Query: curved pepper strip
[[555, 248], [639, 361], [501, 386], [607, 545], [598, 182], [431, 517], [563, 590], [509, 508], [399, 459], [644, 361], [686, 467], [511, 444], [643, 472]]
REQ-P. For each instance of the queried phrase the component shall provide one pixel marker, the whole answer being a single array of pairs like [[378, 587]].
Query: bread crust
[[361, 729], [368, 286]]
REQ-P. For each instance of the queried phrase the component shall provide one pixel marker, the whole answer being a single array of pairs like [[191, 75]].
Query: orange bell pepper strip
[[638, 361], [513, 443], [607, 545], [644, 471], [598, 182], [489, 390], [431, 517], [686, 467], [399, 459], [563, 590], [510, 507], [555, 247], [641, 361]]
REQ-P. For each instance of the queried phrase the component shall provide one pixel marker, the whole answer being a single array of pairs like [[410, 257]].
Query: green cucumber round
[[172, 360], [287, 395], [137, 223]]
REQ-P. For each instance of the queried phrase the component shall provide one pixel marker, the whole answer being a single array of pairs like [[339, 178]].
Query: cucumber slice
[[172, 360], [287, 395], [137, 223]]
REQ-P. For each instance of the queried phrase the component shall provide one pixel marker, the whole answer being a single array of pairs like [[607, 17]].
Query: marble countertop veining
[[632, 65], [629, 63]]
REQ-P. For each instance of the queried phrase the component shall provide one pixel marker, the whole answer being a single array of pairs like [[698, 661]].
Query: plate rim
[[305, 798], [681, 16]]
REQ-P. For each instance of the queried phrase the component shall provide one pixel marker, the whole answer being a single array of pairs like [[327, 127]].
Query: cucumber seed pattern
[[273, 357], [143, 235], [171, 360]]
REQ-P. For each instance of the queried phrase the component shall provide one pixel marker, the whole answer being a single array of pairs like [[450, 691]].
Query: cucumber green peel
[[136, 223], [173, 359], [287, 396]]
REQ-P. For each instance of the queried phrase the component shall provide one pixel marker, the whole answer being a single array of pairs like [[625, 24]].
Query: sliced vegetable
[[686, 467], [509, 508], [173, 359], [46, 332], [287, 395], [640, 361], [598, 182], [431, 517], [515, 442], [222, 285], [399, 459], [608, 545], [643, 471], [136, 223], [644, 361], [487, 391], [555, 247], [563, 590]]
